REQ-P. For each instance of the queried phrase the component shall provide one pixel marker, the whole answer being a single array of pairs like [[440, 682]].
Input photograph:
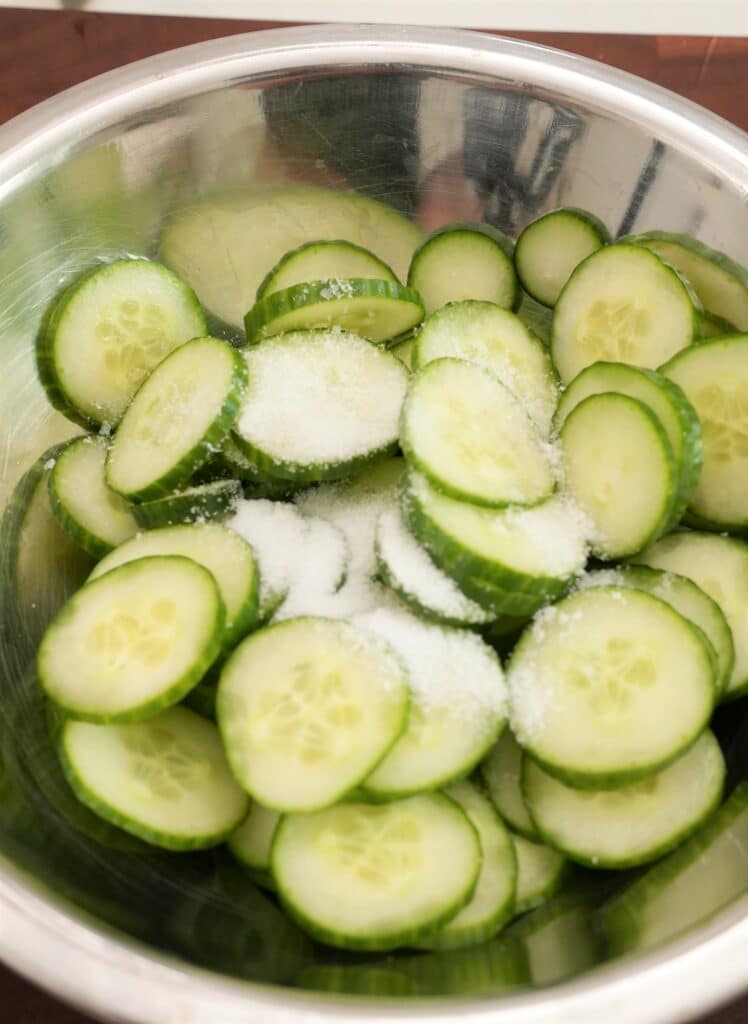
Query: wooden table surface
[[42, 53]]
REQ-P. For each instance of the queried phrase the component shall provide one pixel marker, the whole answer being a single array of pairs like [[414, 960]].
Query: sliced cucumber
[[666, 400], [625, 305], [224, 554], [191, 505], [540, 872], [320, 404], [321, 261], [608, 686], [719, 565], [720, 283], [132, 641], [465, 431], [550, 248], [202, 698], [510, 561], [365, 877], [537, 317], [688, 599], [107, 331], [374, 309], [184, 409], [497, 340], [165, 780], [93, 514], [458, 704], [688, 887], [502, 774], [492, 902], [619, 468], [714, 376], [408, 570], [464, 261], [250, 843], [634, 824], [211, 243], [307, 708]]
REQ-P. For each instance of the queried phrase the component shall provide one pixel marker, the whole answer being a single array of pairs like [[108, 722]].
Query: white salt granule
[[323, 399], [319, 572], [277, 532], [448, 668], [413, 572]]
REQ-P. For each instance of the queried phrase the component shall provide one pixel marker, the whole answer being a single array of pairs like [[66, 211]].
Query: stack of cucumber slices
[[310, 545]]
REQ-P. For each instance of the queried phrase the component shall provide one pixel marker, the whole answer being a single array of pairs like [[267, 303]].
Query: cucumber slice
[[250, 843], [510, 561], [458, 704], [202, 698], [381, 859], [219, 550], [625, 305], [719, 565], [540, 873], [165, 780], [537, 317], [714, 376], [464, 261], [550, 248], [407, 569], [132, 641], [184, 409], [498, 341], [634, 824], [93, 514], [307, 709], [374, 309], [502, 774], [191, 505], [320, 404], [209, 243], [608, 686], [720, 283], [619, 469], [492, 902], [107, 331], [666, 400], [688, 599], [706, 874], [470, 436], [490, 969], [325, 260]]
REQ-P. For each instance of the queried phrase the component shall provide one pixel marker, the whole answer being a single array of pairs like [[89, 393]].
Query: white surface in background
[[668, 17]]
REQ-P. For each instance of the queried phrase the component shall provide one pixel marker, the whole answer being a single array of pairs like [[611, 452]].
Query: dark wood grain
[[43, 53]]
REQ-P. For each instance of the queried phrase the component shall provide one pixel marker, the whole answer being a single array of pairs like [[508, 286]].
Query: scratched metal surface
[[438, 140]]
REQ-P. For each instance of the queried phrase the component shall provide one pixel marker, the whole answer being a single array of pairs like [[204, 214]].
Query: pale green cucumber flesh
[[634, 824], [463, 262], [608, 686], [94, 515], [132, 641], [165, 780], [107, 331], [550, 248], [381, 857], [619, 468], [184, 410], [307, 708], [218, 549]]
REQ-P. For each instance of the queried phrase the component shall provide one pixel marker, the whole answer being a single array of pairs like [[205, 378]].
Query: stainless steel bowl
[[443, 125]]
